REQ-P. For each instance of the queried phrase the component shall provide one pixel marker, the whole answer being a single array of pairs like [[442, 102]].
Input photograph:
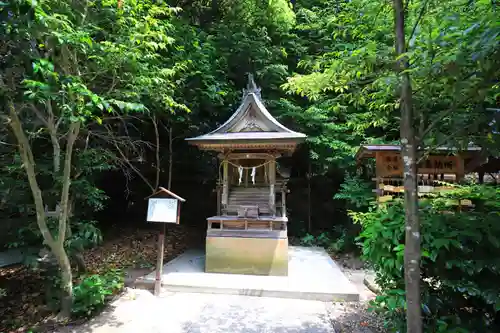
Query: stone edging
[[369, 282]]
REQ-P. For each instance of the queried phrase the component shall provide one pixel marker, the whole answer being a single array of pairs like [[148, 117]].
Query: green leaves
[[451, 60], [460, 259], [356, 192], [127, 107], [93, 291]]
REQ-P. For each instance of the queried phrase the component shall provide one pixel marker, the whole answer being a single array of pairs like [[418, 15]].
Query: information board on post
[[163, 210]]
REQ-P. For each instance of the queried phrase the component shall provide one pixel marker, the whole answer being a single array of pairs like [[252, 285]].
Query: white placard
[[162, 210]]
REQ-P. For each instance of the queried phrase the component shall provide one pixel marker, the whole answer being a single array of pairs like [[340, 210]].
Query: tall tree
[[409, 156], [73, 74], [364, 66]]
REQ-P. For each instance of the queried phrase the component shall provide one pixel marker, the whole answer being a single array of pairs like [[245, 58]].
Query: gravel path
[[139, 311], [354, 317]]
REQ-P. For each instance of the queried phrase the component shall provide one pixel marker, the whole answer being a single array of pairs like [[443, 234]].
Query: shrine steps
[[242, 196]]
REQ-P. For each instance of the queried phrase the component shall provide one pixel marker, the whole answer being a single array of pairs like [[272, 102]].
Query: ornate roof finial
[[251, 87]]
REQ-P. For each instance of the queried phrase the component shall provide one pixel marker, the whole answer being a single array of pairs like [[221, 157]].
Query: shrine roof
[[247, 136], [368, 151], [251, 122]]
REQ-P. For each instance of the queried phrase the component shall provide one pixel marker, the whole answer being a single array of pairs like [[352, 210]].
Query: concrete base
[[243, 255], [312, 275]]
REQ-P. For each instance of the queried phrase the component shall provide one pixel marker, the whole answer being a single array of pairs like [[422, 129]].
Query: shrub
[[356, 192], [93, 292], [338, 240], [322, 240], [460, 260]]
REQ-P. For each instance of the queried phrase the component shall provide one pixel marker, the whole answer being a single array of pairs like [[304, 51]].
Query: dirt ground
[[22, 308]]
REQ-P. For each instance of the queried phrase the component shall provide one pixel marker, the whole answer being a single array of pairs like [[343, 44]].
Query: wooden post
[[246, 176], [154, 216], [266, 173], [225, 183], [218, 200], [460, 168], [481, 177], [378, 165], [159, 261], [283, 201], [272, 181]]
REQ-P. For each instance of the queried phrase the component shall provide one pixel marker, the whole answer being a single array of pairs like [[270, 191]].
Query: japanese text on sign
[[162, 210], [390, 164]]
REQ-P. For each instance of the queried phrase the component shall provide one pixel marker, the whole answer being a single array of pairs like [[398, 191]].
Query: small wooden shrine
[[249, 233], [443, 166]]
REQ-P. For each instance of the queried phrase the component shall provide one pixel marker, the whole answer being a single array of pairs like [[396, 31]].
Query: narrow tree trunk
[[66, 282], [163, 229], [157, 137], [29, 166], [170, 157], [56, 155], [309, 201], [74, 128], [55, 245], [59, 251], [408, 153]]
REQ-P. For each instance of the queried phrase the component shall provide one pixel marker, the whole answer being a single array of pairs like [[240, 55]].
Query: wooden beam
[[251, 155]]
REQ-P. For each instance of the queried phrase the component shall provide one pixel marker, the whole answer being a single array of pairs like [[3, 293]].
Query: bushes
[[90, 292], [340, 239], [460, 260], [93, 291]]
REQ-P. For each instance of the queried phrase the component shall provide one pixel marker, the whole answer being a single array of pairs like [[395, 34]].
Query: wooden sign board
[[164, 210], [390, 164], [164, 206], [440, 165]]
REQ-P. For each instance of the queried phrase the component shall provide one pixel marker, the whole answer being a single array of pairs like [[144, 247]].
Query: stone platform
[[312, 275]]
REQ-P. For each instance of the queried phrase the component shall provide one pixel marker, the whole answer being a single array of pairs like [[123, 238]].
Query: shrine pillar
[[283, 201], [225, 182], [272, 183]]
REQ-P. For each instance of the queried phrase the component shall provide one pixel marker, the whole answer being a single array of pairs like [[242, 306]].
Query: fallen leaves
[[23, 305]]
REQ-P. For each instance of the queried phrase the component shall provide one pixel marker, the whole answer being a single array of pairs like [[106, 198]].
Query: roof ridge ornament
[[252, 88]]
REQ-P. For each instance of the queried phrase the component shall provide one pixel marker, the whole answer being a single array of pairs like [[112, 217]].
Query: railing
[[229, 223]]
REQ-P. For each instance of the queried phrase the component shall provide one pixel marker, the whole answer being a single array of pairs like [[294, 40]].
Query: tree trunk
[[59, 251], [409, 155], [29, 166], [170, 157], [74, 128], [309, 201], [66, 282], [163, 229], [157, 137], [55, 245]]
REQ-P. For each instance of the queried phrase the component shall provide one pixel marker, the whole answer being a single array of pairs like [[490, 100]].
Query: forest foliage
[[99, 90]]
